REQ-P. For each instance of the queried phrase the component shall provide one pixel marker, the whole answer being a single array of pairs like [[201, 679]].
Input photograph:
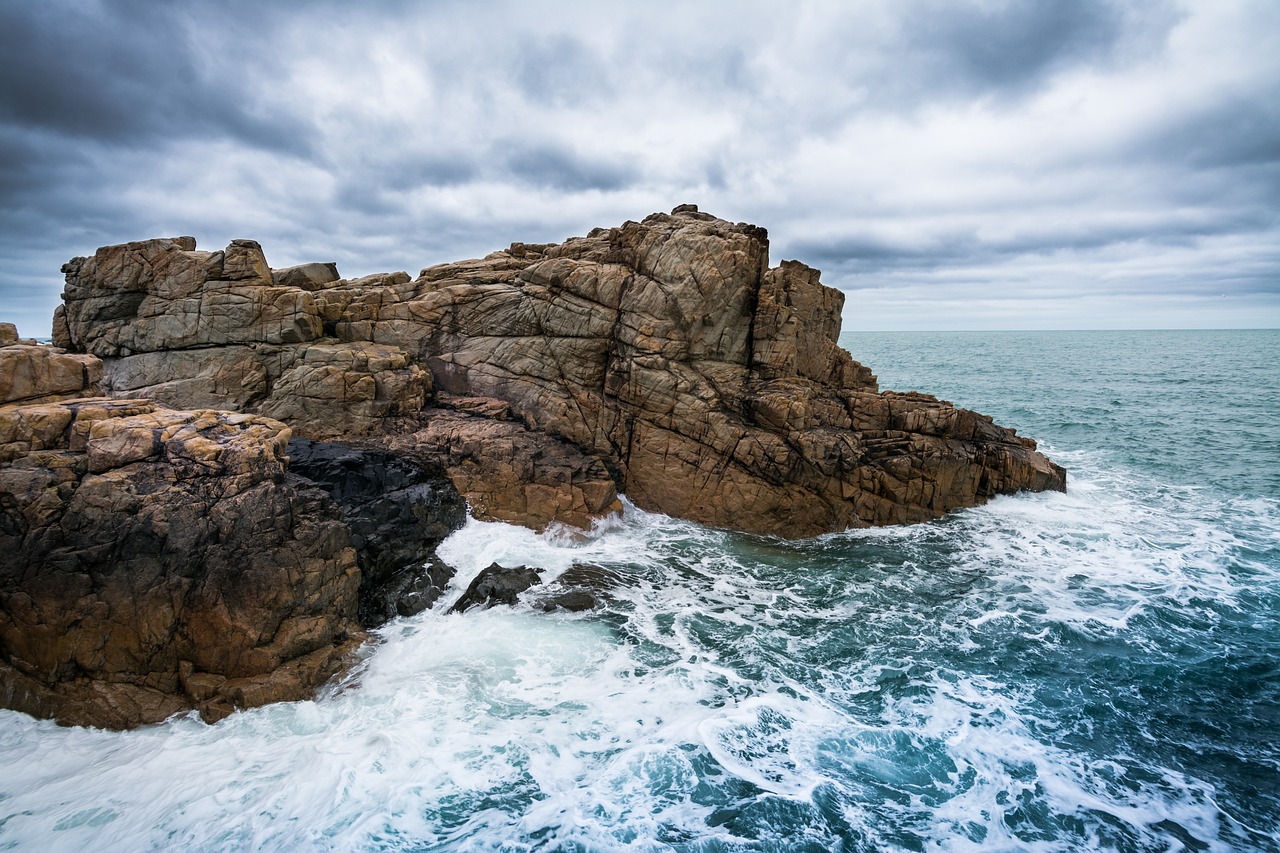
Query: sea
[[1094, 670]]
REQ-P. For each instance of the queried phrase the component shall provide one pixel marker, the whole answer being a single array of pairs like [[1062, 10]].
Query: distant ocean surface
[[1094, 670]]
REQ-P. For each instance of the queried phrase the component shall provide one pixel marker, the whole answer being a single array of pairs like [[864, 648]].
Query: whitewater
[[1098, 669]]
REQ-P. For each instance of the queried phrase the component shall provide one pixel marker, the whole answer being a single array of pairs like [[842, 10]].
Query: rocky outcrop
[[31, 373], [510, 473], [664, 359], [194, 329], [154, 561]]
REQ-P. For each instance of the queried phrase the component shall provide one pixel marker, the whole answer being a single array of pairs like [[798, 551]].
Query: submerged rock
[[497, 585]]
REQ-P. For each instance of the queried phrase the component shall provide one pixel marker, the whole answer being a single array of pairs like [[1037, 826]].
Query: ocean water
[[1092, 670]]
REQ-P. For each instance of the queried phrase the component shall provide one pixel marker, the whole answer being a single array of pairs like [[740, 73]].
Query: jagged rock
[[711, 385], [163, 294], [497, 585], [312, 276], [665, 357], [508, 473], [8, 334], [31, 373], [154, 561], [321, 389], [398, 512]]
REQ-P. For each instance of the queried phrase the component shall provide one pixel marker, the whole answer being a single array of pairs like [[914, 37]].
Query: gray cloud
[[1019, 153]]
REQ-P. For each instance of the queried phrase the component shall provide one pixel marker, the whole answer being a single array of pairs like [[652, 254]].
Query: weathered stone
[[508, 473], [154, 561], [163, 294], [314, 276], [29, 373], [711, 386], [664, 357]]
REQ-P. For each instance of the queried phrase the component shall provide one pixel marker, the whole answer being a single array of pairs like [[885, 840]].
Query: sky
[[949, 164]]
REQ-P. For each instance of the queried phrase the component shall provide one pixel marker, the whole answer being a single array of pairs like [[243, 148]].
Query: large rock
[[32, 373], [163, 294], [664, 359], [154, 561], [510, 473]]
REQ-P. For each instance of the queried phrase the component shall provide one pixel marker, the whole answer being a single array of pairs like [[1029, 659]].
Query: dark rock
[[398, 512], [580, 587], [497, 585]]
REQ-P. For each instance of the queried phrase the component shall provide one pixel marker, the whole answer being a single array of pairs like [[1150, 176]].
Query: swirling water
[[1099, 669]]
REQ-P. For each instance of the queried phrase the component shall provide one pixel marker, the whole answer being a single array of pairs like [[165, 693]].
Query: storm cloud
[[973, 164]]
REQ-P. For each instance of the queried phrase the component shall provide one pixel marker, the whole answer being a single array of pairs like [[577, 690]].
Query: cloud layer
[[975, 164]]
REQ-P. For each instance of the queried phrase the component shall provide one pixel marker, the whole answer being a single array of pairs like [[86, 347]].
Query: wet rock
[[154, 561], [579, 588], [497, 585], [398, 511]]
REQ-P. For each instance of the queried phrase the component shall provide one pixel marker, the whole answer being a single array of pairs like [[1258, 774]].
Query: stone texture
[[398, 512], [709, 385], [31, 373], [509, 473], [154, 561], [163, 294]]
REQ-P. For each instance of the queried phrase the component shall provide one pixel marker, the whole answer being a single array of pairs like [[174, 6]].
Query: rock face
[[220, 329], [398, 512], [664, 359], [153, 561]]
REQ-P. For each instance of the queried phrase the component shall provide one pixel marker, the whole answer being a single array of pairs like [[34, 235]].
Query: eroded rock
[[154, 561]]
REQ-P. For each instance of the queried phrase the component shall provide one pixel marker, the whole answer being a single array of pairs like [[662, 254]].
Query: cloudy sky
[[950, 164]]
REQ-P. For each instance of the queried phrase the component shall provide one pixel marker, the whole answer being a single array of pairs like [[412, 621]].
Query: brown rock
[[508, 473], [154, 561], [29, 373], [663, 356]]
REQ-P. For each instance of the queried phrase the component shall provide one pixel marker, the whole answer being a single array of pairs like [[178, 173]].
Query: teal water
[[1094, 670]]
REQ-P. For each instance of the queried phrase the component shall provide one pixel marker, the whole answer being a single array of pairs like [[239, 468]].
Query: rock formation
[[153, 561], [665, 357], [158, 554]]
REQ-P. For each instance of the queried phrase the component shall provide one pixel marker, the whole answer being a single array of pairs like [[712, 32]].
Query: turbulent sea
[[1092, 670]]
